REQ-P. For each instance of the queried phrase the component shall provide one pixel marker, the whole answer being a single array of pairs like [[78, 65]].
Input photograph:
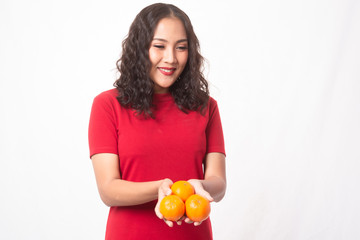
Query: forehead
[[170, 28]]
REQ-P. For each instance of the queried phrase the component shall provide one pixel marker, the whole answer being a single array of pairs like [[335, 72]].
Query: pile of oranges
[[184, 201]]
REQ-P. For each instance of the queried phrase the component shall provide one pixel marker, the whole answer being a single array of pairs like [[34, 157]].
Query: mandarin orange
[[172, 207], [197, 208], [183, 189]]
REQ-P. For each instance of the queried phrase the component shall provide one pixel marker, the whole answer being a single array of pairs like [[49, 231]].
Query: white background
[[286, 75]]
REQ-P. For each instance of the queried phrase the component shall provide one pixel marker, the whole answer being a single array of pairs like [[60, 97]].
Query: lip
[[167, 71]]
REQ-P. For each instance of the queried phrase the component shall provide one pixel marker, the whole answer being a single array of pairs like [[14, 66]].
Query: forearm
[[215, 186], [215, 176], [118, 192]]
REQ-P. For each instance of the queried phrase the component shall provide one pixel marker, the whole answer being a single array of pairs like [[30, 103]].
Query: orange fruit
[[197, 208], [172, 207], [183, 189]]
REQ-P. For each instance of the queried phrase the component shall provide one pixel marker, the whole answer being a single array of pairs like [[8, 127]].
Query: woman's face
[[168, 53]]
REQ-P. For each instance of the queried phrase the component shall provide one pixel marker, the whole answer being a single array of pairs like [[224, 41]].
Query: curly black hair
[[136, 89]]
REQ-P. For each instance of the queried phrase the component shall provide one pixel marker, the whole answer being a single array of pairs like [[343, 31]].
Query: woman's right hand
[[164, 190]]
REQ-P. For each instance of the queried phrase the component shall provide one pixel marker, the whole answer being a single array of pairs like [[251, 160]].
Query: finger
[[179, 222], [161, 194], [197, 223], [157, 212], [188, 220], [169, 223], [168, 192], [206, 195], [164, 191], [159, 215]]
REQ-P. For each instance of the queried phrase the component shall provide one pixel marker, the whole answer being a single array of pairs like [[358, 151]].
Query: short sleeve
[[214, 132], [102, 125]]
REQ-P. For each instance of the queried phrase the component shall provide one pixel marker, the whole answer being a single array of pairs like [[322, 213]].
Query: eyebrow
[[164, 40]]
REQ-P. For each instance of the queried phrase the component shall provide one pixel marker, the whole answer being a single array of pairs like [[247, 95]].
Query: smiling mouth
[[167, 71]]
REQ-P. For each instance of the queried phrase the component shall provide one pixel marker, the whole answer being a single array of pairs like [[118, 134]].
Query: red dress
[[173, 145]]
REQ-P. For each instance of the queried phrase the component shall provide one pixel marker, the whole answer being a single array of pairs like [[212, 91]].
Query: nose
[[170, 56]]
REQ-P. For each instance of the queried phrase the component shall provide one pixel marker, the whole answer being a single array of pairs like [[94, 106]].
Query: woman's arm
[[215, 176], [213, 186], [117, 192]]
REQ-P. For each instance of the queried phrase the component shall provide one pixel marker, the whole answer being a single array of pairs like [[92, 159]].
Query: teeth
[[166, 70]]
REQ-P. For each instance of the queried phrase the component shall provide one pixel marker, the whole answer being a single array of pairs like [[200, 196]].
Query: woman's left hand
[[199, 189]]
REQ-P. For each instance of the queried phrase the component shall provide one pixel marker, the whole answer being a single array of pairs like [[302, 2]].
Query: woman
[[157, 126]]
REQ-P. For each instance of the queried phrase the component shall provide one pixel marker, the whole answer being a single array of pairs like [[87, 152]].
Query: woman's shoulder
[[212, 103], [106, 96], [212, 100], [111, 93]]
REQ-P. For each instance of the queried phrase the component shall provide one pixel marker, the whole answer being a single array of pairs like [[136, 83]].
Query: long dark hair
[[135, 87]]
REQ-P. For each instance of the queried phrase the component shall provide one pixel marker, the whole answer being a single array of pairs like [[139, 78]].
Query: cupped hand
[[165, 190], [199, 189]]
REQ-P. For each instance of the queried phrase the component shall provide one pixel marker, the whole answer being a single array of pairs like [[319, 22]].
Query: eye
[[158, 46], [182, 48]]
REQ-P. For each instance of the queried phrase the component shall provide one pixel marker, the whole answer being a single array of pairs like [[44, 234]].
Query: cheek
[[184, 59], [153, 56]]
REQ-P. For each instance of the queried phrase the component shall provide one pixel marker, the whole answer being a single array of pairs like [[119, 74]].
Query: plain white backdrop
[[286, 75]]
